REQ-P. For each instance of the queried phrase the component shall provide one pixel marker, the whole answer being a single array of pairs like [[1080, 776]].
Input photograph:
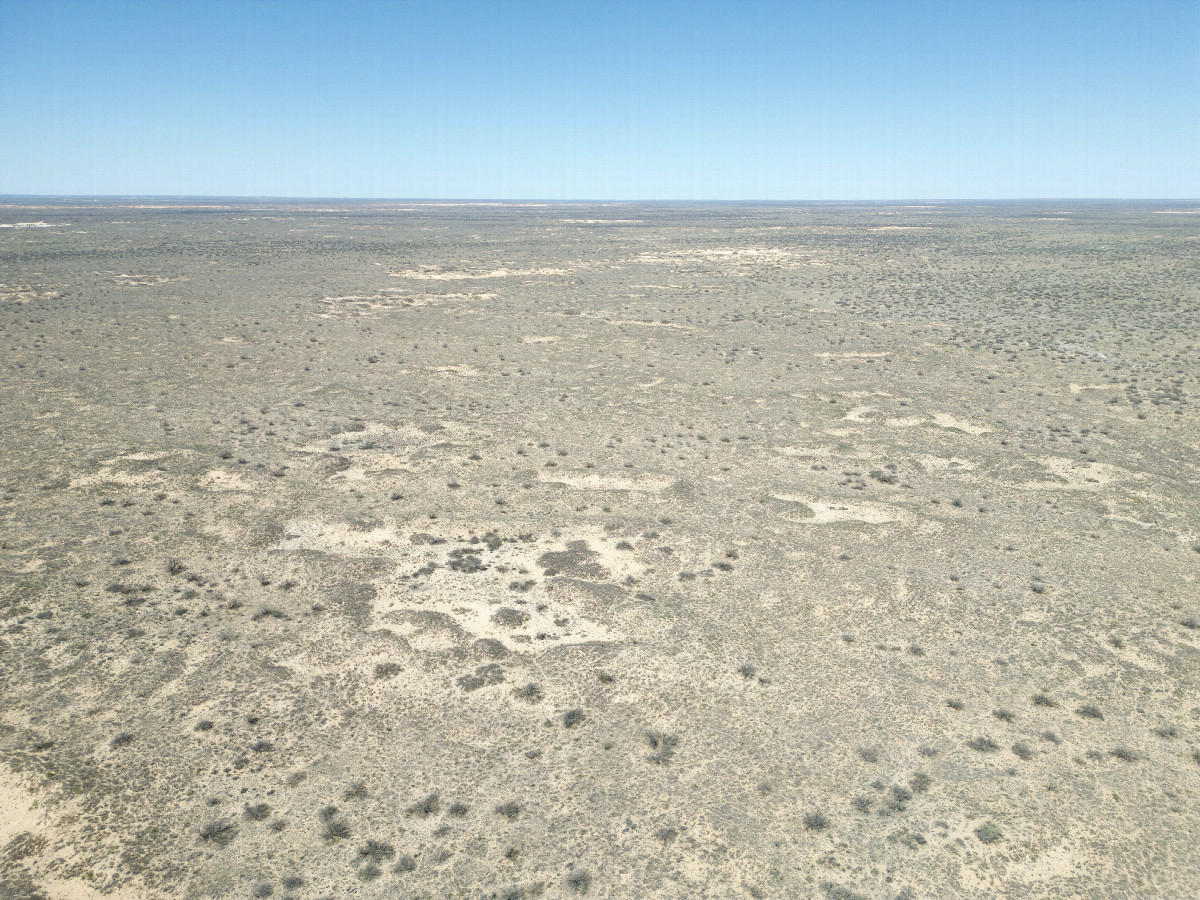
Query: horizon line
[[6, 197]]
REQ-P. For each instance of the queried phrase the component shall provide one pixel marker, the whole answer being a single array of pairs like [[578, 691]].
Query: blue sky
[[569, 100]]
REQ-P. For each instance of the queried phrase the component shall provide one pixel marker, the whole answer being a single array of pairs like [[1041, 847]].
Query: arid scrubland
[[516, 551]]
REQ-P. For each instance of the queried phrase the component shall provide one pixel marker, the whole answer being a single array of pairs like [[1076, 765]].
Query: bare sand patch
[[143, 280], [932, 463], [597, 482], [945, 420], [849, 354], [398, 298], [457, 371], [479, 597], [225, 480], [17, 808], [75, 889], [437, 273], [858, 414], [825, 512], [1075, 475]]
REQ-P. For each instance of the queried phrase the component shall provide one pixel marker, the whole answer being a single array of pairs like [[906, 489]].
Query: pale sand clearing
[[825, 512], [597, 482], [945, 420], [439, 274], [18, 812]]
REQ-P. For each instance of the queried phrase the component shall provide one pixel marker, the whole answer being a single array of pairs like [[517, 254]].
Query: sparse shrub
[[1126, 754], [988, 833], [387, 670], [510, 809], [868, 754], [862, 804], [747, 671], [572, 717], [1167, 730], [1004, 715], [816, 820], [983, 744], [263, 890], [424, 808], [485, 675], [1191, 622], [910, 839], [262, 746], [123, 739], [458, 809], [336, 830], [920, 782], [530, 693], [1022, 751], [369, 872], [579, 881], [175, 566], [955, 703], [837, 892], [218, 833], [376, 851], [256, 812], [605, 678], [404, 864], [916, 650], [663, 746], [1044, 700], [1090, 711], [508, 617]]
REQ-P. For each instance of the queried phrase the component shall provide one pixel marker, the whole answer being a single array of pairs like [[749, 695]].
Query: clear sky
[[751, 100]]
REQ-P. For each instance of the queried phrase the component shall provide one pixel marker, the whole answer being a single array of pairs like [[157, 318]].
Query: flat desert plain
[[393, 550]]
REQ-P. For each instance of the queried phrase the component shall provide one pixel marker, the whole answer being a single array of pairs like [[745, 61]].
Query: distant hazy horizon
[[690, 102], [179, 199]]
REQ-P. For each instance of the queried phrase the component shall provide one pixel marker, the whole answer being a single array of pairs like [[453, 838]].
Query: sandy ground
[[517, 551]]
